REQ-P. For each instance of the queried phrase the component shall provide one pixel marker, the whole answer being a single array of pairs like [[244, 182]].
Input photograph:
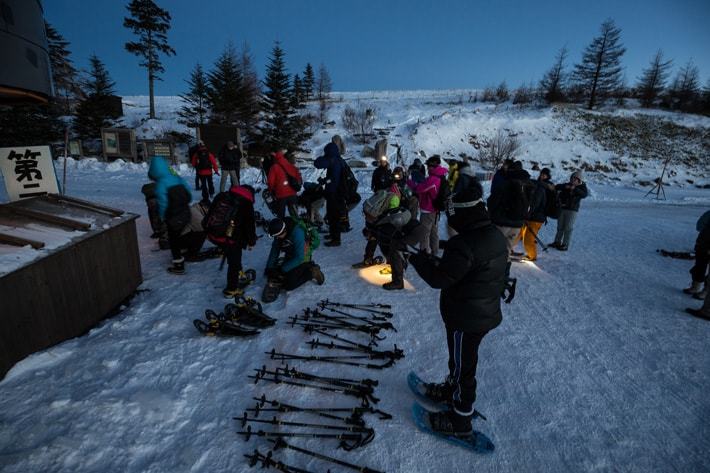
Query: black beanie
[[467, 206]]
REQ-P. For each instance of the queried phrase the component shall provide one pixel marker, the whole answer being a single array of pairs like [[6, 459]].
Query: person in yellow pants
[[537, 214]]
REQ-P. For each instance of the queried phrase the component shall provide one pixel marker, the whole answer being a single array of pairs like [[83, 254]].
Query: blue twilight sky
[[390, 44]]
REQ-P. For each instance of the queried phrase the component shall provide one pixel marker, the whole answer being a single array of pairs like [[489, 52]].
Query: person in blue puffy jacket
[[173, 196]]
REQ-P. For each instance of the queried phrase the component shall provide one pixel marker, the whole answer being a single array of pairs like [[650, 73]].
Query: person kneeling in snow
[[471, 276], [297, 241]]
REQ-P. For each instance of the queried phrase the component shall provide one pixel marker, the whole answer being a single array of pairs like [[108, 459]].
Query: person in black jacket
[[536, 215], [336, 209], [570, 194], [509, 203], [230, 161], [382, 176], [472, 276]]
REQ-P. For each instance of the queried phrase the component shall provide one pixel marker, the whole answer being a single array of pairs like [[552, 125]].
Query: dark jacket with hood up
[[509, 203], [333, 163], [470, 274]]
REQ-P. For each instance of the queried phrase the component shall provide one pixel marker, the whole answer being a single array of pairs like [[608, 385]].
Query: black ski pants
[[191, 242], [298, 276], [233, 253], [463, 359], [335, 210], [207, 187], [289, 203]]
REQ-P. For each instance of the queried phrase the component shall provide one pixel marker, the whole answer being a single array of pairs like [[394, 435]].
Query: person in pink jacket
[[426, 192]]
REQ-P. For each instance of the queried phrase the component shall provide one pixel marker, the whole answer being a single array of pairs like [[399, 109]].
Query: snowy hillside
[[606, 144], [595, 368]]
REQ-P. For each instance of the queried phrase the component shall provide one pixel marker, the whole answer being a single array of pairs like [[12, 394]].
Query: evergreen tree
[[599, 73], [251, 93], [64, 74], [226, 88], [150, 24], [194, 112], [653, 80], [686, 88], [29, 125], [552, 85], [309, 81], [93, 113], [282, 127]]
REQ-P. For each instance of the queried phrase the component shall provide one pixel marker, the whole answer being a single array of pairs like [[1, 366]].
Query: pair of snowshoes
[[427, 410], [217, 326], [248, 311]]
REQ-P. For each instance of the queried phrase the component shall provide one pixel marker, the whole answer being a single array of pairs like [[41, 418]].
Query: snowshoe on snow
[[222, 328], [369, 262], [247, 311], [436, 396], [271, 291], [677, 254], [245, 279], [476, 442], [386, 270]]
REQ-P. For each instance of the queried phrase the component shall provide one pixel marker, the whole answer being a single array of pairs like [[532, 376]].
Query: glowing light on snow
[[372, 275]]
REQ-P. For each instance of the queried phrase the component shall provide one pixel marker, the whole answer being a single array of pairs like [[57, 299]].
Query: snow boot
[[367, 262], [178, 266], [695, 288], [701, 295], [317, 275], [450, 423], [698, 313], [393, 286], [439, 392]]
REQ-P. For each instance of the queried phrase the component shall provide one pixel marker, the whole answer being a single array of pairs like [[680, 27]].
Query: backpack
[[376, 205], [221, 213], [312, 237], [349, 184], [177, 215], [293, 182], [553, 206], [203, 159], [443, 195]]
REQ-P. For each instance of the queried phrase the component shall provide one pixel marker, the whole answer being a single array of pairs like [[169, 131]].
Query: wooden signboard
[[119, 143]]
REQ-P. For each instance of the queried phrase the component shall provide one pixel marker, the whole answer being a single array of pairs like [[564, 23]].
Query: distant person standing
[[284, 180], [334, 199], [417, 171], [204, 162], [571, 194], [427, 191], [230, 159], [509, 202], [536, 216], [381, 176]]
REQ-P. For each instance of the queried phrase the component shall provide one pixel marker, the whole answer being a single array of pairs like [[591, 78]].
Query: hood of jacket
[[331, 151], [438, 171], [243, 192], [158, 169]]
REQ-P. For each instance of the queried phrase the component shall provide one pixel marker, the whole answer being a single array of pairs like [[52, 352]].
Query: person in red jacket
[[280, 173], [204, 162]]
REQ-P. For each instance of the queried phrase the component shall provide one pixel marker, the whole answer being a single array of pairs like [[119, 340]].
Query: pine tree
[[64, 74], [251, 92], [151, 24], [552, 84], [653, 80], [29, 125], [194, 112], [282, 127], [686, 88], [599, 73], [226, 88], [93, 112], [309, 81]]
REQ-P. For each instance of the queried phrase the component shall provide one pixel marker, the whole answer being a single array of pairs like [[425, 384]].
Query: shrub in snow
[[359, 121], [494, 151]]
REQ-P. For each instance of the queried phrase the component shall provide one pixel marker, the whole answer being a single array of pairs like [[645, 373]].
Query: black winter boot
[[178, 266], [451, 423], [439, 392], [317, 275]]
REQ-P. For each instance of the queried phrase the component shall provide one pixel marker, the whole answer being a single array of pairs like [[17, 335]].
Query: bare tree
[[686, 87], [359, 121], [599, 73], [494, 151], [653, 80], [552, 85], [324, 86], [502, 94]]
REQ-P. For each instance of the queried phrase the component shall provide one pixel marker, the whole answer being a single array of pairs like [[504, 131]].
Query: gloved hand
[[217, 173]]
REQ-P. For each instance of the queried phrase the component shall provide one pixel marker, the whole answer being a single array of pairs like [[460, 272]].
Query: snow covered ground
[[595, 367]]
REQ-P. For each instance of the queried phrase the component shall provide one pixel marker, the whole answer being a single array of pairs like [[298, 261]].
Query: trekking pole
[[383, 324], [275, 421], [373, 308], [268, 462], [337, 337], [357, 439], [394, 354], [340, 382], [374, 318], [281, 443], [357, 411], [537, 239]]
